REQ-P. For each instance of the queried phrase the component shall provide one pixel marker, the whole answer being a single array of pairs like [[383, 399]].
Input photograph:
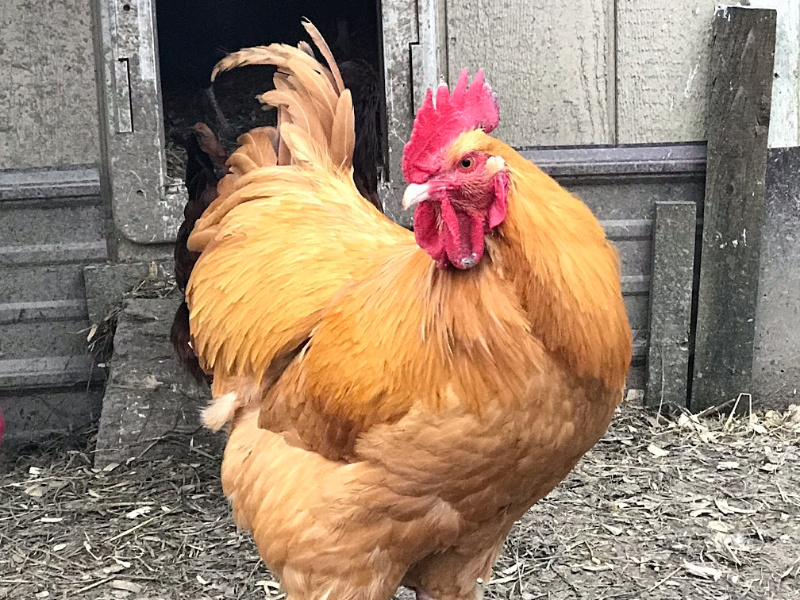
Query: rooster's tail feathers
[[316, 125], [320, 42], [308, 95], [257, 148]]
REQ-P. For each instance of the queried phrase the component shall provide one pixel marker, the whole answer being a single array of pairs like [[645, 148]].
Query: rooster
[[395, 401]]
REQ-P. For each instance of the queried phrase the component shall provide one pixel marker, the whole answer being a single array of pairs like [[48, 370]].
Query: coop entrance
[[194, 34], [155, 57]]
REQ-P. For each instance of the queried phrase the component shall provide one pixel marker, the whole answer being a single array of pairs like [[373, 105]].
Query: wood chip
[[702, 571], [113, 569], [613, 530], [36, 490], [135, 514], [727, 509], [128, 586], [720, 526], [657, 451], [727, 465]]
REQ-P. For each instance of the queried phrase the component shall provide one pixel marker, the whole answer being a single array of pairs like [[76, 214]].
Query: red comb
[[437, 125]]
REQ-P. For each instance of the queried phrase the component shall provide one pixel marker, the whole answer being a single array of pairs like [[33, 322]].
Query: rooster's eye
[[467, 163]]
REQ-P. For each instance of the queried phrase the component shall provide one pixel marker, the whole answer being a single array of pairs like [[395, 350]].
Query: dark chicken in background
[[192, 36], [205, 166]]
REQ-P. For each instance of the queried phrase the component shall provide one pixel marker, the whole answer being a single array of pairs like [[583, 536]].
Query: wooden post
[[741, 76], [671, 284]]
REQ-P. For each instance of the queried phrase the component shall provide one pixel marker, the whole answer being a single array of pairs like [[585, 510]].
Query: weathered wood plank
[[147, 206], [48, 98], [672, 281], [738, 124], [551, 62], [150, 402], [662, 70], [399, 34], [663, 53]]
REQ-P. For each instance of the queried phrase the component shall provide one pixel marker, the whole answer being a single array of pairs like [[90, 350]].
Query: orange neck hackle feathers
[[565, 271], [539, 236]]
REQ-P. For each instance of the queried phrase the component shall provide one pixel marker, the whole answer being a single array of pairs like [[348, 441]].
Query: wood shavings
[[704, 521]]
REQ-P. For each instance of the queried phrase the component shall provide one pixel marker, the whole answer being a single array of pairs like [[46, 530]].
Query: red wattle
[[499, 208], [463, 236], [427, 232]]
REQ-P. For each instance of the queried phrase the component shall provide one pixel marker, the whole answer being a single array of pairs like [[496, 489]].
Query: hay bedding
[[236, 93], [695, 508]]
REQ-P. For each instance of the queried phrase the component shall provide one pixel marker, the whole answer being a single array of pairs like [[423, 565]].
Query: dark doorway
[[194, 34]]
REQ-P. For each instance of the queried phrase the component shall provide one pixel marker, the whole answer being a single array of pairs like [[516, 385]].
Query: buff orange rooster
[[395, 401]]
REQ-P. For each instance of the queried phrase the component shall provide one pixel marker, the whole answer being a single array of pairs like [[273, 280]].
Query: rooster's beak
[[414, 194]]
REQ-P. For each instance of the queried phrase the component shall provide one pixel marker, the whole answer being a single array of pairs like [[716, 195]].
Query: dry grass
[[661, 508]]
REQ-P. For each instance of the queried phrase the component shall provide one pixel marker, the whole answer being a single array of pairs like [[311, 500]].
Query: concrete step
[[35, 339], [41, 283], [48, 371], [48, 310], [33, 415], [150, 401], [78, 181], [52, 224], [42, 220], [57, 253]]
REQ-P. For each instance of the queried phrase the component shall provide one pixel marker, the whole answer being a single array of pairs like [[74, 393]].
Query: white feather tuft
[[220, 411]]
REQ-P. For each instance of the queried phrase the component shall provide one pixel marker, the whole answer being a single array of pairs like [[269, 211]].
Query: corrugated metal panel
[[622, 185]]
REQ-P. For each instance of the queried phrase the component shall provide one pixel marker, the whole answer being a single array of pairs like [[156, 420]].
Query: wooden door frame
[[147, 205]]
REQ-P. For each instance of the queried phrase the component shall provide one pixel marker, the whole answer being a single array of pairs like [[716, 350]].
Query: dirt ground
[[678, 508]]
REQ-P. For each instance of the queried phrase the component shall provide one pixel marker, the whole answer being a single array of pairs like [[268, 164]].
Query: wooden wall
[[662, 65], [573, 72], [48, 98], [549, 60]]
